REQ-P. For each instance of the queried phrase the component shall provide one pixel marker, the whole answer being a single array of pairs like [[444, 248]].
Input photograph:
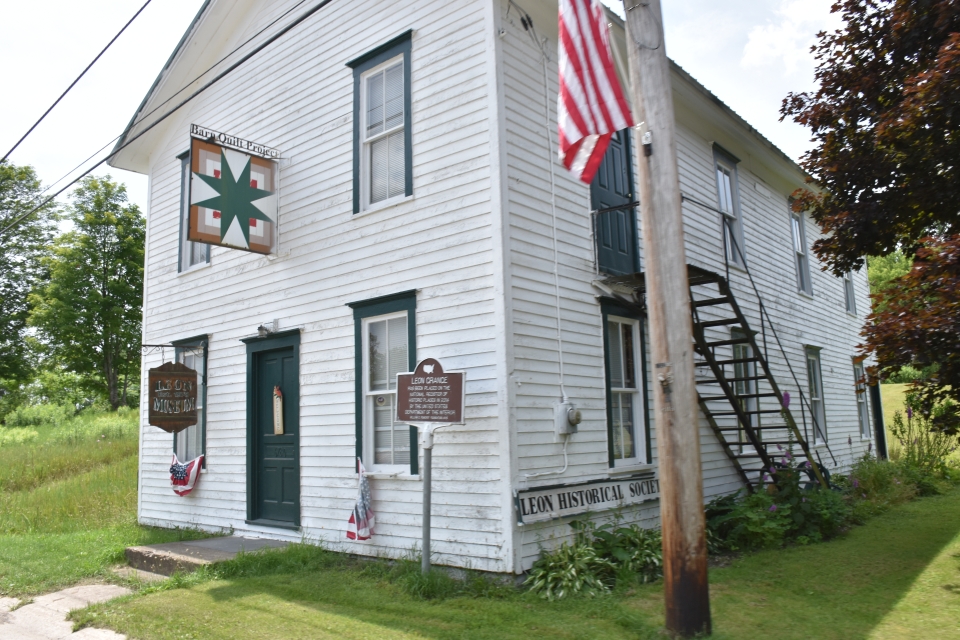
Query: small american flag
[[183, 477], [360, 525], [591, 105]]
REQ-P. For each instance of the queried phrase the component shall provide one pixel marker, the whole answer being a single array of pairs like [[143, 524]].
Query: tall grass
[[32, 456], [105, 496]]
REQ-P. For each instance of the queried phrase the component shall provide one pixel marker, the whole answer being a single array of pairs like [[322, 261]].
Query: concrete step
[[171, 557]]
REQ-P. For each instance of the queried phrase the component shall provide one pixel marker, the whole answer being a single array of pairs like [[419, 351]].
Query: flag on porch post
[[360, 525], [591, 105]]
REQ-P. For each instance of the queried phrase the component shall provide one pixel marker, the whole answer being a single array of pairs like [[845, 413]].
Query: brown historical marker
[[429, 395], [173, 397]]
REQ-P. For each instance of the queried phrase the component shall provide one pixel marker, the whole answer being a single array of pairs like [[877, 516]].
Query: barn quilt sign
[[233, 192]]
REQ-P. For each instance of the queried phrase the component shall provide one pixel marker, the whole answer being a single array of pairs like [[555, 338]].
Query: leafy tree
[[920, 325], [886, 123], [884, 271], [887, 129], [89, 311], [20, 266]]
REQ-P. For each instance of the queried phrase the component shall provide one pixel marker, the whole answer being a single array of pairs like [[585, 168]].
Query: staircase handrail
[[728, 232]]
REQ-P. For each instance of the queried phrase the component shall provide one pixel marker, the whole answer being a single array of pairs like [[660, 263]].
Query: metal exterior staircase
[[736, 389], [737, 392]]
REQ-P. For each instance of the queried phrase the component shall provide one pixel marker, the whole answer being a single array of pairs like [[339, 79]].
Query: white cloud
[[785, 42]]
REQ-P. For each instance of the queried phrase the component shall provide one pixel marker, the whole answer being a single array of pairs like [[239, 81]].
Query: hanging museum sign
[[233, 191], [558, 501], [173, 397], [429, 395]]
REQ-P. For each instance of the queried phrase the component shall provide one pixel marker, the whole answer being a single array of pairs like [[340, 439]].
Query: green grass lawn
[[68, 498], [896, 577]]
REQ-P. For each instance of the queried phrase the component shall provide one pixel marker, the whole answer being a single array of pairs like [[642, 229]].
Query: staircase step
[[723, 362], [740, 397], [753, 412], [723, 343], [715, 381], [760, 428], [717, 323], [709, 302]]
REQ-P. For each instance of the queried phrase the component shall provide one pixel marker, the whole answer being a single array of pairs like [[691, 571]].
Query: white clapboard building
[[405, 201]]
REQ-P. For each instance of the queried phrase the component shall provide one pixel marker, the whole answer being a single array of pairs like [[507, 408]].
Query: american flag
[[591, 106], [360, 525], [183, 477]]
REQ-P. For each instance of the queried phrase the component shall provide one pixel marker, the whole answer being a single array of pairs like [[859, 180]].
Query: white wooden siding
[[799, 320], [298, 96]]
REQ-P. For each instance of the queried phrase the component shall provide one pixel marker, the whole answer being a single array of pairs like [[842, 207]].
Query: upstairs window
[[192, 254], [382, 141], [800, 254], [728, 201], [849, 293]]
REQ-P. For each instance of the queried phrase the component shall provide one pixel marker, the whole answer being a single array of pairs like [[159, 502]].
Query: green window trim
[[611, 307], [400, 45], [393, 303], [202, 341]]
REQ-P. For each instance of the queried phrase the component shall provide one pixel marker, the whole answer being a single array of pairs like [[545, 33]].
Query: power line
[[75, 81], [193, 95], [179, 91]]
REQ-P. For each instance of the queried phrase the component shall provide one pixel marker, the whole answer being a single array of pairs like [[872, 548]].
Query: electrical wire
[[209, 84], [57, 101], [179, 91]]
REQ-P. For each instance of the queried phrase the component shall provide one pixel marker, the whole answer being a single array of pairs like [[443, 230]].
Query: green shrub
[[10, 436], [921, 446], [40, 415], [571, 569], [633, 550], [876, 485], [88, 427], [752, 521]]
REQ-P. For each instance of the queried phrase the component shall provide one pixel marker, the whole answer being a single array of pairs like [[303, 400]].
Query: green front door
[[276, 456]]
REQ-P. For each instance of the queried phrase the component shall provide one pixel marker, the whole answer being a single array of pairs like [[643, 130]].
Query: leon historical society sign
[[173, 397], [548, 503]]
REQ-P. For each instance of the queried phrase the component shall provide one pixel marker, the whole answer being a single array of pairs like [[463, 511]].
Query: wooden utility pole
[[671, 326]]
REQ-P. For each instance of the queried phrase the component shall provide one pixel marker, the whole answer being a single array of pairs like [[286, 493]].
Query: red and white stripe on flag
[[591, 105], [183, 477]]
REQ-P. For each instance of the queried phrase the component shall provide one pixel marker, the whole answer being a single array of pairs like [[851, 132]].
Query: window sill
[[193, 269], [633, 469], [804, 294], [386, 204], [396, 475]]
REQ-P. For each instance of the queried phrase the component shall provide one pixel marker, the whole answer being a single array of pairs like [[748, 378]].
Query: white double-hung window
[[385, 352], [382, 154], [627, 440], [863, 407], [728, 201], [849, 293], [383, 135], [800, 254], [815, 387], [192, 254]]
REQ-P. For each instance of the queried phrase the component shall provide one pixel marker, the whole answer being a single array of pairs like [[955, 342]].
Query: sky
[[750, 53]]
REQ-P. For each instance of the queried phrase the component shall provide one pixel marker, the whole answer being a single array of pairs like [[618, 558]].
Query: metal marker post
[[429, 398], [427, 479]]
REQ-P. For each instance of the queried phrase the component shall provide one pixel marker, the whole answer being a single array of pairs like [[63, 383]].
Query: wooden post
[[671, 326]]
